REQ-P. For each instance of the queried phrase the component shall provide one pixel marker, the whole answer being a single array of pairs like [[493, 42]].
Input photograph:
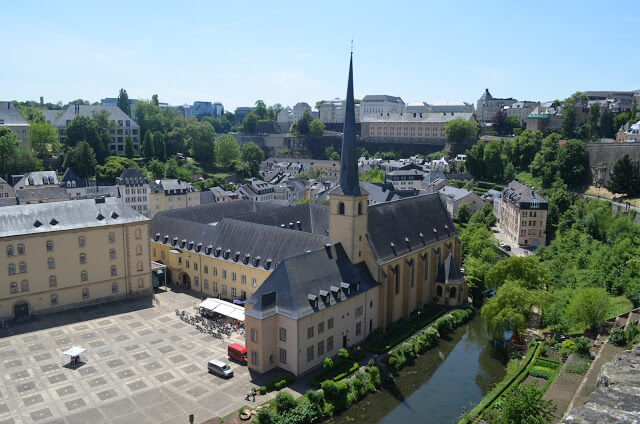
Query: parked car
[[237, 353], [220, 368], [505, 246]]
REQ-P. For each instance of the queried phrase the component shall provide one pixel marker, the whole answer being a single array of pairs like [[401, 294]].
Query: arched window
[[359, 208], [81, 241], [21, 249], [452, 292], [12, 269], [138, 250], [23, 267], [341, 208], [13, 288], [112, 254], [53, 281], [114, 288], [114, 270], [83, 258], [85, 293], [51, 263], [397, 273], [24, 285], [138, 233], [84, 276], [10, 250], [54, 299], [439, 291], [139, 266], [49, 245], [112, 237]]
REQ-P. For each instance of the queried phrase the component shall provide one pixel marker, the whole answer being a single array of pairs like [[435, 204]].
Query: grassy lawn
[[528, 179], [606, 194], [620, 305]]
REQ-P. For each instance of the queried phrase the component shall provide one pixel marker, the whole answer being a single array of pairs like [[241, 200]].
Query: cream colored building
[[11, 118], [523, 215], [410, 127], [62, 255], [171, 194]]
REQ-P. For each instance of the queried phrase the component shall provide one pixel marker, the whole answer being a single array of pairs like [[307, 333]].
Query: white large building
[[380, 105], [290, 116], [453, 107], [332, 112], [134, 190], [489, 106]]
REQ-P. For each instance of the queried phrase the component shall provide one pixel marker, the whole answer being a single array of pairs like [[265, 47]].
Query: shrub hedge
[[341, 368], [279, 383]]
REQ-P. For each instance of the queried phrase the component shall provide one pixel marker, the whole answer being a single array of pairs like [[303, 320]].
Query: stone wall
[[602, 157]]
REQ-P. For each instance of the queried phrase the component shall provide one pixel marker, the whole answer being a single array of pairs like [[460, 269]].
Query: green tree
[[620, 119], [606, 125], [524, 405], [589, 307], [594, 120], [510, 124], [227, 150], [252, 155], [509, 309], [172, 168], [568, 124], [464, 212], [493, 161], [154, 100], [250, 123], [159, 146], [128, 147], [156, 168], [316, 127], [303, 126], [526, 269], [260, 109], [81, 159], [625, 177], [331, 154], [41, 136], [147, 146], [113, 168], [94, 130], [544, 164], [201, 141], [475, 161], [123, 102], [459, 130], [573, 163], [484, 216]]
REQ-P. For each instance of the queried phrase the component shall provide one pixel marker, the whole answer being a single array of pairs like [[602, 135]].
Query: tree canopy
[[227, 150], [526, 269], [509, 309], [82, 160], [252, 155], [123, 102], [625, 177], [589, 307]]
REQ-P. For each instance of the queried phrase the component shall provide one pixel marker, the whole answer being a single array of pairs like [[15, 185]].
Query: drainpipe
[[125, 256]]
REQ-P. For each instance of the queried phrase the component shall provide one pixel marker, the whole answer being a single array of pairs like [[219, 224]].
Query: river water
[[444, 382]]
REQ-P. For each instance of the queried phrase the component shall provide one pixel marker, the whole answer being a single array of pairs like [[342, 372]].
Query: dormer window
[[346, 287]]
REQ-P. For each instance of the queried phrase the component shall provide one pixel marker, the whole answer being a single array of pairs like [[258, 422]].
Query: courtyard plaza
[[143, 365]]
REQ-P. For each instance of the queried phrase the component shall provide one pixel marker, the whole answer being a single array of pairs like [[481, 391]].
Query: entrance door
[[344, 341], [21, 310], [186, 281]]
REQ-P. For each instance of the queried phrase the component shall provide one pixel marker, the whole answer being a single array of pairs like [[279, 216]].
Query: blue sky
[[236, 52]]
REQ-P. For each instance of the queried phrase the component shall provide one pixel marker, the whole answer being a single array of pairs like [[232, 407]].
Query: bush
[[578, 364], [316, 398], [617, 337], [568, 347], [280, 382], [541, 372], [335, 394], [327, 363], [582, 345], [284, 402], [263, 390], [343, 353], [543, 351], [264, 417], [393, 364], [436, 299]]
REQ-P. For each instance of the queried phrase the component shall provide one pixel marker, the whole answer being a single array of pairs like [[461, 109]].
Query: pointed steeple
[[349, 183]]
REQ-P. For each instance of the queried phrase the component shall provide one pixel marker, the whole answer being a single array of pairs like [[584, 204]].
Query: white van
[[219, 368]]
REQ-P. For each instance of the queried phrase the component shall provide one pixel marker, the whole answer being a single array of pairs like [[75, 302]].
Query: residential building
[[380, 106], [185, 110], [489, 106], [292, 190], [382, 262], [547, 115], [134, 189], [241, 112], [70, 254], [35, 179], [94, 192], [217, 195], [405, 179], [256, 190], [417, 107], [454, 197], [171, 194], [629, 133], [28, 196], [200, 109], [426, 128], [521, 109], [332, 111], [123, 125], [290, 116], [523, 215], [113, 101], [439, 164], [452, 107], [6, 190], [11, 118]]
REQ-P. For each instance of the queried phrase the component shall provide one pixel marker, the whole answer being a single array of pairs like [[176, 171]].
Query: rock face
[[617, 396]]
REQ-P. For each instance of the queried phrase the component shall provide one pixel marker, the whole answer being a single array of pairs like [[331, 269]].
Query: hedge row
[[344, 367], [428, 338], [277, 383]]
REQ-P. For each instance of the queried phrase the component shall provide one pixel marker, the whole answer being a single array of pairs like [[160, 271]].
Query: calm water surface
[[443, 383]]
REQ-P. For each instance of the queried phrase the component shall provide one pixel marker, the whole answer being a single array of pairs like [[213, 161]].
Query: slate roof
[[426, 117], [210, 213], [93, 192], [449, 272], [41, 193], [171, 184], [206, 197], [132, 177], [390, 223], [248, 238], [70, 176], [454, 193], [287, 290], [115, 114], [10, 115], [521, 195], [313, 218], [50, 115], [59, 216], [433, 175], [35, 178], [381, 98]]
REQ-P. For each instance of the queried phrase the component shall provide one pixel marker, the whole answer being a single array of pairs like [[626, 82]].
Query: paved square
[[142, 365]]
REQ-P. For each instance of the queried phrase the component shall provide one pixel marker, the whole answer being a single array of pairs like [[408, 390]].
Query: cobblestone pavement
[[143, 365]]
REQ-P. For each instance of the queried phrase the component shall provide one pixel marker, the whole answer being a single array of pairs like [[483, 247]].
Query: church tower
[[348, 202]]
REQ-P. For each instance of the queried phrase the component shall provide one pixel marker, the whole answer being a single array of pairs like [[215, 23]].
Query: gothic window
[[439, 291], [341, 208], [452, 292], [359, 208]]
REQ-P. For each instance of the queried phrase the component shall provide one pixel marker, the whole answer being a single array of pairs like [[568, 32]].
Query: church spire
[[349, 162]]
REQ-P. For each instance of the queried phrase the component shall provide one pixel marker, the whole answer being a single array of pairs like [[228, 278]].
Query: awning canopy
[[157, 266], [74, 351], [223, 308]]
